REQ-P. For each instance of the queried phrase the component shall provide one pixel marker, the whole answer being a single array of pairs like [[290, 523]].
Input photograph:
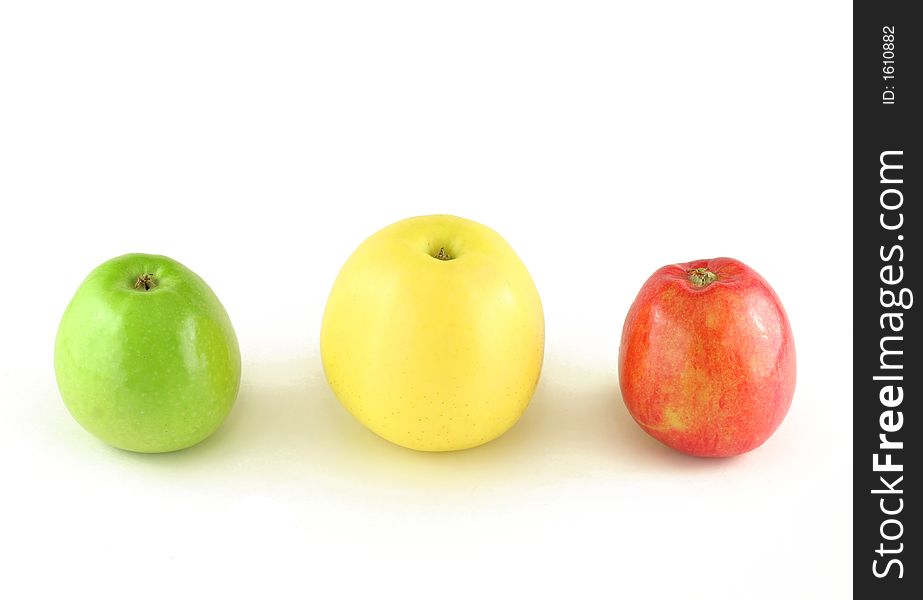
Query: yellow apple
[[433, 335]]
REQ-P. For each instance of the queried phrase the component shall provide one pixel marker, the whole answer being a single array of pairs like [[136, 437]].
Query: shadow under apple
[[287, 427]]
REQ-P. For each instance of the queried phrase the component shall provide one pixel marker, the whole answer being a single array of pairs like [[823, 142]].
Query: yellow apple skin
[[428, 353]]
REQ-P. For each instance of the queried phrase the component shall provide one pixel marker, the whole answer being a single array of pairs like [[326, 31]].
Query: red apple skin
[[708, 370]]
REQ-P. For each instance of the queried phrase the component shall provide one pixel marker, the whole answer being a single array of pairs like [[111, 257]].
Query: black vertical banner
[[887, 365]]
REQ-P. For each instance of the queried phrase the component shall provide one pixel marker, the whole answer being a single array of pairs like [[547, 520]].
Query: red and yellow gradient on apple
[[707, 358]]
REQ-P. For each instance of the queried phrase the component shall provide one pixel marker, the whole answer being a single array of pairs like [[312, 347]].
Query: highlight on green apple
[[146, 358], [433, 335]]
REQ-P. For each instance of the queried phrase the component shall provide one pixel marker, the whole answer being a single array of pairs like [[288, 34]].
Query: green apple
[[146, 357]]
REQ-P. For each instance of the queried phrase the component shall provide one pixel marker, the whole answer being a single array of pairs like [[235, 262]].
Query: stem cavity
[[701, 277], [145, 282]]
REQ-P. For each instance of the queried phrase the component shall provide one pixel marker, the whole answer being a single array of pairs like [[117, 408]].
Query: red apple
[[707, 359]]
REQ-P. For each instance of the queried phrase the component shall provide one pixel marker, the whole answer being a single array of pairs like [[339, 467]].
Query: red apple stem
[[701, 277]]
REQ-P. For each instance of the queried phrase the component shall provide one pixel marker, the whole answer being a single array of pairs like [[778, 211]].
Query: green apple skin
[[147, 366]]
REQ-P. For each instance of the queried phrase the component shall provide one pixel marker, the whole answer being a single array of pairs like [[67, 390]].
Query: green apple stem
[[145, 282], [442, 254], [701, 277]]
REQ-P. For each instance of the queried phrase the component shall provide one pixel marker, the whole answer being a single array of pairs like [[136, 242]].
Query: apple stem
[[701, 277], [145, 282], [442, 254]]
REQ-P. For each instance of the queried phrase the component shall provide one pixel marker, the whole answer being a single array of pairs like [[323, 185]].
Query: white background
[[259, 143]]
